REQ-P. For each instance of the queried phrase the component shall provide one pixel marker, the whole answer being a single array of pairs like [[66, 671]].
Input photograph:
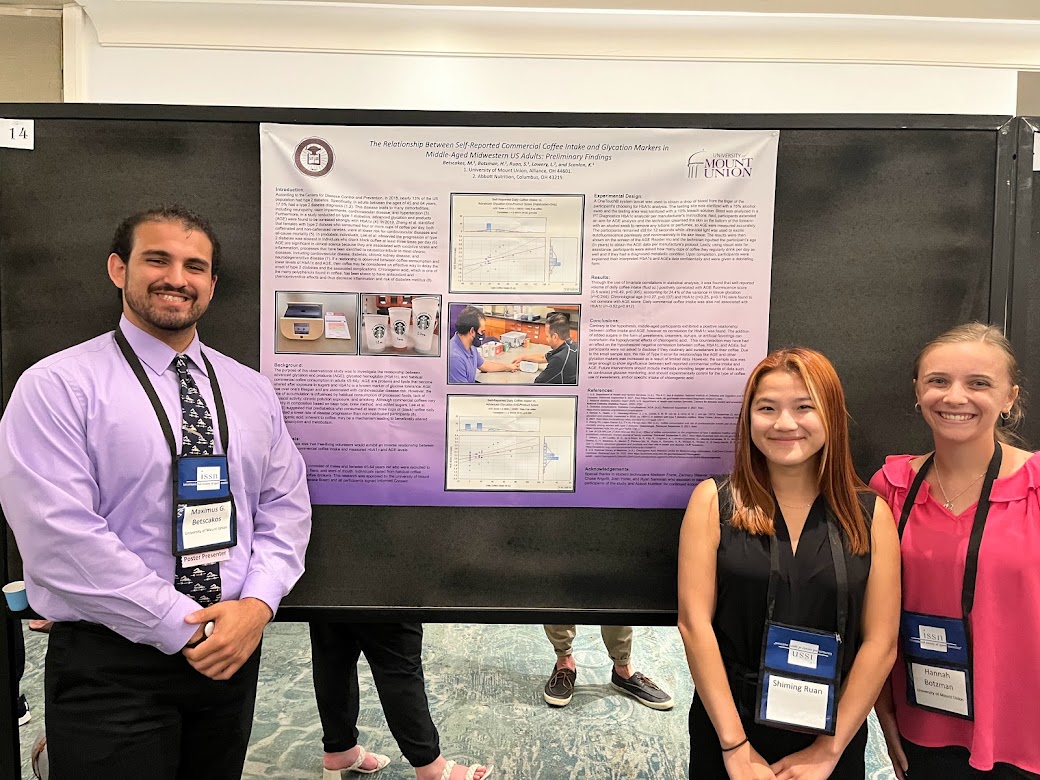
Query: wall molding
[[73, 53], [615, 34]]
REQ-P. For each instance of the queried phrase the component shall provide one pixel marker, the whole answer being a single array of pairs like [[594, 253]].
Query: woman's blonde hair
[[979, 333]]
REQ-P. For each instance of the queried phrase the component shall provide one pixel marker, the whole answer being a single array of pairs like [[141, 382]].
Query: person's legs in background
[[394, 654], [560, 687], [624, 678], [21, 706], [334, 658]]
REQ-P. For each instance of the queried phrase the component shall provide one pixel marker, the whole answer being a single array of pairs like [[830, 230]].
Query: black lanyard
[[160, 412], [841, 574], [971, 563]]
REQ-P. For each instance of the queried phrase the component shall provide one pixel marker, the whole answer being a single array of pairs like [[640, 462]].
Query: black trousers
[[394, 653], [951, 763], [117, 710], [706, 759], [19, 648]]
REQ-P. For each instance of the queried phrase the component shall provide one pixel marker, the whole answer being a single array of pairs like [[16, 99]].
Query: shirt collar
[[463, 347], [567, 343], [154, 353]]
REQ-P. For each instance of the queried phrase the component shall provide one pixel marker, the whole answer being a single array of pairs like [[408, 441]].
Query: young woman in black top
[[793, 506]]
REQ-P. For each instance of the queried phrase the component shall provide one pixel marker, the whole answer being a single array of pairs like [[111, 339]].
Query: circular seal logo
[[422, 322], [313, 157], [379, 331]]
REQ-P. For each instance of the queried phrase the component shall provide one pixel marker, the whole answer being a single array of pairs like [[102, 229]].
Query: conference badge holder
[[204, 518], [938, 665], [799, 674], [936, 649]]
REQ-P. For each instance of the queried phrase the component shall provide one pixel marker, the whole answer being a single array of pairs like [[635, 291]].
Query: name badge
[[204, 526], [798, 680], [796, 702], [938, 666]]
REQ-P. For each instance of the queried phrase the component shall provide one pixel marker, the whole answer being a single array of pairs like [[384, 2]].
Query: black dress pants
[[394, 653], [951, 763], [19, 648], [117, 710]]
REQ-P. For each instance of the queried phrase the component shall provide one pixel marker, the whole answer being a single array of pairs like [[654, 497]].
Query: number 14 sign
[[16, 134]]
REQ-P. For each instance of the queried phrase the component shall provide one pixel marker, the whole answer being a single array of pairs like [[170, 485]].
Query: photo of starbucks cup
[[376, 327], [424, 322], [400, 324]]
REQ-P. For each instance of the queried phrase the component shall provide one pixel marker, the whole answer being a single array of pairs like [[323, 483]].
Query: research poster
[[492, 316]]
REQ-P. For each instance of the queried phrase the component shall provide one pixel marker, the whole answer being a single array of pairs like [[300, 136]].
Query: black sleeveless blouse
[[806, 593]]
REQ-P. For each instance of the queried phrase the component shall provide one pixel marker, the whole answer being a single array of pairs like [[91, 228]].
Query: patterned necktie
[[201, 583]]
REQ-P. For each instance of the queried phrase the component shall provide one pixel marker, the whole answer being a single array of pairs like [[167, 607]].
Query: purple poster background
[[653, 247]]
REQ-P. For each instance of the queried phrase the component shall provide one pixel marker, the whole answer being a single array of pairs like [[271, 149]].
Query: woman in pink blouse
[[964, 696]]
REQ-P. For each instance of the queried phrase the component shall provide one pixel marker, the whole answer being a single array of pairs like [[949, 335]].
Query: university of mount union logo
[[723, 165], [422, 322], [313, 157]]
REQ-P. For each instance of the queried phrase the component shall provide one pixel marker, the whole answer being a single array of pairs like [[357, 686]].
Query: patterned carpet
[[485, 689]]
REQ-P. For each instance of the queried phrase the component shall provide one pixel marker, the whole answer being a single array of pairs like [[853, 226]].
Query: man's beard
[[147, 310]]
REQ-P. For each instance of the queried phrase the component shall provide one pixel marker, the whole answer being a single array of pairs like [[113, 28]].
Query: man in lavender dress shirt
[[135, 687]]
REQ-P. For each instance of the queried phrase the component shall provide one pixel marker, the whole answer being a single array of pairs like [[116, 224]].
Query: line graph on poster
[[516, 243], [499, 443]]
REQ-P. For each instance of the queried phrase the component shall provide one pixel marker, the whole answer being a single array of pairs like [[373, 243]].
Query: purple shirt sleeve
[[282, 521], [85, 482], [457, 370], [50, 498]]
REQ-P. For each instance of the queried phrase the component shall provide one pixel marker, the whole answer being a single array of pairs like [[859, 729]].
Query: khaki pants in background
[[618, 640]]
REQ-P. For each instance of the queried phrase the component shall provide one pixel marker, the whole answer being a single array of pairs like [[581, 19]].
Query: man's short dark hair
[[123, 240], [560, 324], [469, 320]]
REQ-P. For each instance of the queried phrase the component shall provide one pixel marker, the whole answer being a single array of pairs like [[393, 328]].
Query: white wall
[[211, 76]]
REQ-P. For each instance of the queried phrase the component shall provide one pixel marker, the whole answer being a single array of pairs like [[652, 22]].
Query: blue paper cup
[[14, 592]]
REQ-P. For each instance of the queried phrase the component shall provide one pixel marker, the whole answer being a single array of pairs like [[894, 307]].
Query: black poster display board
[[1023, 307], [887, 230]]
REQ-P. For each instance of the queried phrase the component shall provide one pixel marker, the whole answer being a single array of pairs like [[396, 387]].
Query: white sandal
[[472, 773], [382, 762]]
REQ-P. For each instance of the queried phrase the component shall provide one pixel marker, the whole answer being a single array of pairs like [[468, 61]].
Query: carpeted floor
[[485, 689]]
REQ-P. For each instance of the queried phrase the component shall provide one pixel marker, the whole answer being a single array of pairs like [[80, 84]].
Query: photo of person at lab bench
[[788, 588], [518, 334], [561, 361], [464, 359]]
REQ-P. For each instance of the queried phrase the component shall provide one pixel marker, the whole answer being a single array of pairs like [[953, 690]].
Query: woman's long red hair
[[753, 505]]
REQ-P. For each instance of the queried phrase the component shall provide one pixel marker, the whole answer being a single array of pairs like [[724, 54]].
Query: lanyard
[[971, 563], [160, 412], [841, 575]]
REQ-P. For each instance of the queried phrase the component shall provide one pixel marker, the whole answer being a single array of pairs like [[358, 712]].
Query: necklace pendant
[[948, 506]]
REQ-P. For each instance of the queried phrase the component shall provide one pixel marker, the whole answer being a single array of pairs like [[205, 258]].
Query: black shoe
[[642, 689], [22, 708], [560, 688]]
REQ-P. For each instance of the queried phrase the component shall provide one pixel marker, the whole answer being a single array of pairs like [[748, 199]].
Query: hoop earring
[[917, 408], [1005, 416]]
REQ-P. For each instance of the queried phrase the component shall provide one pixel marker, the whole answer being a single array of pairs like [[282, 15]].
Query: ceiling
[[964, 9]]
